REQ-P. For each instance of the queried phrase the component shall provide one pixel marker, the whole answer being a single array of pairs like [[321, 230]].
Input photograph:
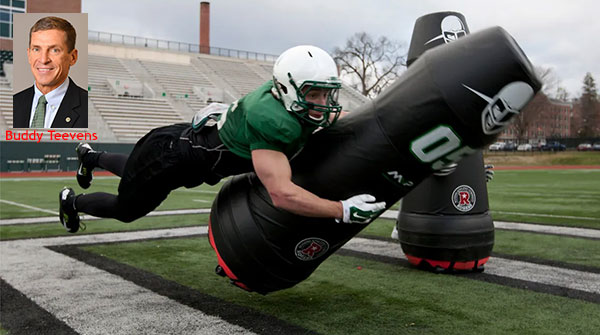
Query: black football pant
[[163, 160]]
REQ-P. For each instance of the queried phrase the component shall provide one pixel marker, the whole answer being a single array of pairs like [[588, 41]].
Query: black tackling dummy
[[450, 102]]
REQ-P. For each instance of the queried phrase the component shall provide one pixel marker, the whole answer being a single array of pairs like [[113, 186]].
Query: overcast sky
[[560, 34]]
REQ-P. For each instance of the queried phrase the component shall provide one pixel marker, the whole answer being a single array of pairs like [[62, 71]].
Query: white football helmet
[[301, 69]]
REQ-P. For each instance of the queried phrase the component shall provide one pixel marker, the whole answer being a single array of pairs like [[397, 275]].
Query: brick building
[[555, 121], [10, 7]]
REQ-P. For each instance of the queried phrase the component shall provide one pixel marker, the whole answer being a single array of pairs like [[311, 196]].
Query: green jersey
[[259, 121]]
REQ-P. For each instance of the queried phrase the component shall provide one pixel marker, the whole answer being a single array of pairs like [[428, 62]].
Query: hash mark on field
[[28, 207]]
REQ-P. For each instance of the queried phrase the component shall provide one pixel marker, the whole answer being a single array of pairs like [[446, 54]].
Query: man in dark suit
[[54, 101]]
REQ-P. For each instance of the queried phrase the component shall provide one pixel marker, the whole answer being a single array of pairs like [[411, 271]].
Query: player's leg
[[99, 204], [136, 202], [90, 159], [140, 192], [132, 202], [154, 168]]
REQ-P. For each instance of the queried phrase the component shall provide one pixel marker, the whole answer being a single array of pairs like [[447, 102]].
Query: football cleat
[[84, 174], [67, 213]]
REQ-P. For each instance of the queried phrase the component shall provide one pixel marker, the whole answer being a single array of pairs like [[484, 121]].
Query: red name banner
[[52, 135]]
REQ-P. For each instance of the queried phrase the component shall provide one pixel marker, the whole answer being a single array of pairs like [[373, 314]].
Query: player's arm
[[274, 171]]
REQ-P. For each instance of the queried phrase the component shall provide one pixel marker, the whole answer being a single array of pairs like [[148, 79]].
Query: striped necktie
[[40, 113]]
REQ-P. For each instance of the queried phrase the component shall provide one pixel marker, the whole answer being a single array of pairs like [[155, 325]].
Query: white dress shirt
[[54, 98]]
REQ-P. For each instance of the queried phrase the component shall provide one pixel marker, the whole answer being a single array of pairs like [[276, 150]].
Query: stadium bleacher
[[236, 73], [128, 118], [178, 81], [131, 118], [5, 56], [6, 104], [100, 69], [171, 89]]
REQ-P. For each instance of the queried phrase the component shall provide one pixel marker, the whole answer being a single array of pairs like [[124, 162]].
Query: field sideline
[[156, 275]]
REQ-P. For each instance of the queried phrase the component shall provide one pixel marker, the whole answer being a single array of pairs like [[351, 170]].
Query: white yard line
[[574, 194], [543, 274], [28, 207], [109, 237], [550, 216], [93, 301], [54, 178], [393, 214], [538, 228], [48, 219]]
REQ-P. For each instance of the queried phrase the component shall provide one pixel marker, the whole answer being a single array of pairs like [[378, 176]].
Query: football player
[[259, 132]]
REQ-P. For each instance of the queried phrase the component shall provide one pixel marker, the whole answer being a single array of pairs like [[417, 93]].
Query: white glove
[[361, 208], [489, 173], [211, 111]]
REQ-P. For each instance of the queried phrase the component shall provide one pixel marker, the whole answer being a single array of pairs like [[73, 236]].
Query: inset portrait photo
[[50, 70]]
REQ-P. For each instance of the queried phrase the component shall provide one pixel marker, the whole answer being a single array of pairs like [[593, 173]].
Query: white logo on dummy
[[463, 198], [452, 29], [503, 106]]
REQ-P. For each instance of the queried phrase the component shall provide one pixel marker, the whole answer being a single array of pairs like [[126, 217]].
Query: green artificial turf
[[569, 195], [558, 197], [43, 193], [341, 298]]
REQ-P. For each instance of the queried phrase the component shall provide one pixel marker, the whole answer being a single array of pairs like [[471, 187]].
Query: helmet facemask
[[301, 107]]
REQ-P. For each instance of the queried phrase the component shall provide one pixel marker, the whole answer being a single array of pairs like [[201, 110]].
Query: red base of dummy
[[475, 265]]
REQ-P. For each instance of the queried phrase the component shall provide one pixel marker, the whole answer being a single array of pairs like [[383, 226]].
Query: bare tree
[[371, 65], [561, 94], [551, 83]]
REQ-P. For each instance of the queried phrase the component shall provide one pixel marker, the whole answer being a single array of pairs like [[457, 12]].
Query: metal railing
[[145, 42]]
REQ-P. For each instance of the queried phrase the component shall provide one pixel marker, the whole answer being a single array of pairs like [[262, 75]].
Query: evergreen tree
[[589, 86], [590, 109]]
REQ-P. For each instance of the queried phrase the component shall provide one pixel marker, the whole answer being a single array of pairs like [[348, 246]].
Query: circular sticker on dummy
[[463, 198], [311, 248]]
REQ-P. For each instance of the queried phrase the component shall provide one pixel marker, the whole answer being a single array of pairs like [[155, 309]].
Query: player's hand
[[361, 208], [489, 173]]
